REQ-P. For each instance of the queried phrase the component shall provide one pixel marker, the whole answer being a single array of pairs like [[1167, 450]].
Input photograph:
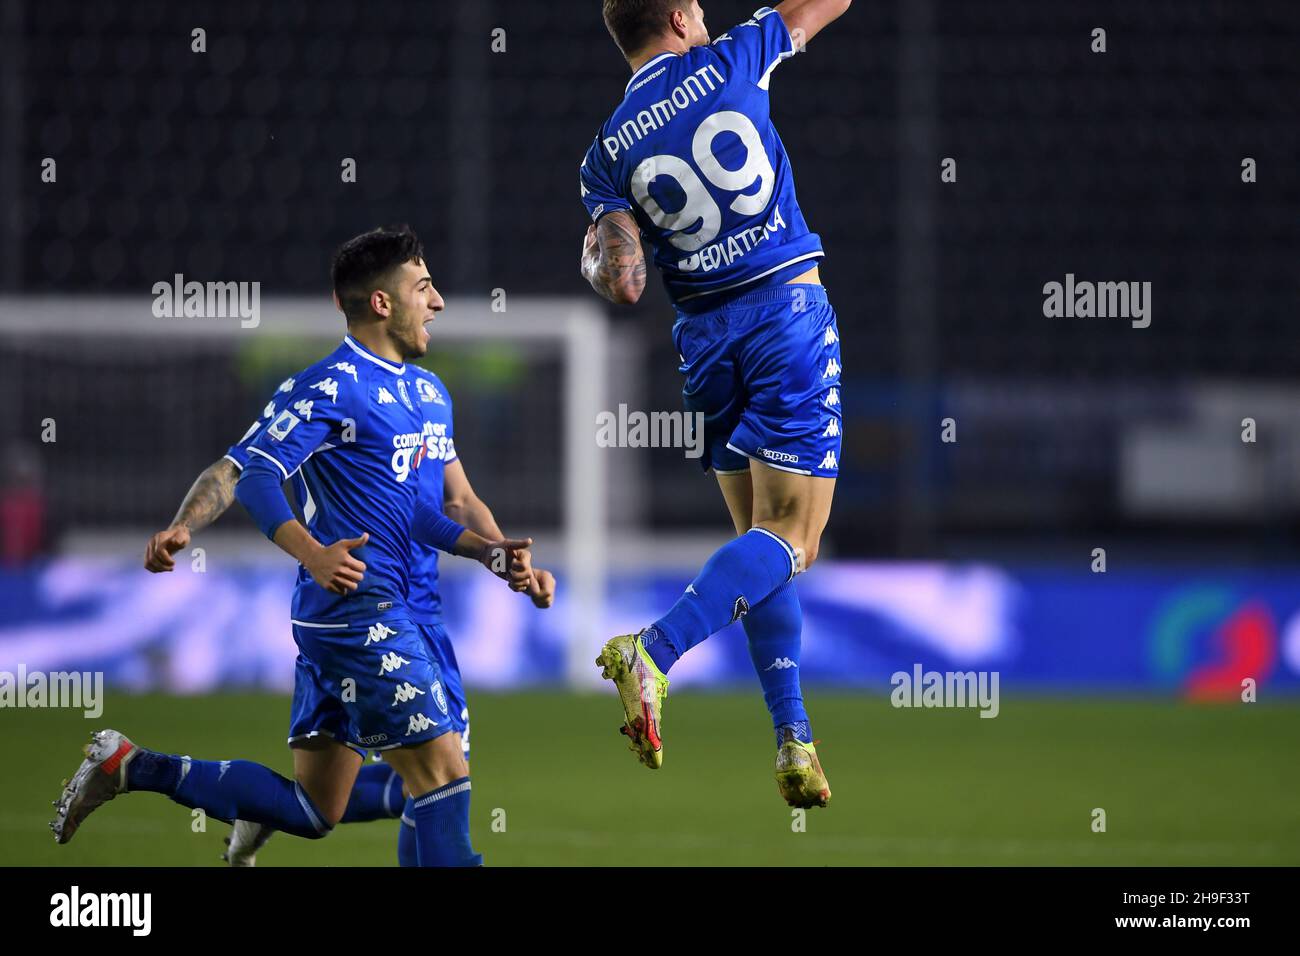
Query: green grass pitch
[[1180, 784]]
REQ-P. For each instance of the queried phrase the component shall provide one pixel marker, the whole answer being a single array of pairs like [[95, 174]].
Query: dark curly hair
[[360, 264]]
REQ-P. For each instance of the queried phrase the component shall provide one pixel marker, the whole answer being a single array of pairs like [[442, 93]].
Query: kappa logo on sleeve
[[347, 368], [329, 387]]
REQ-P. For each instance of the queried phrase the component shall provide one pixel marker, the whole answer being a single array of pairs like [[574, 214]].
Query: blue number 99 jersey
[[692, 152]]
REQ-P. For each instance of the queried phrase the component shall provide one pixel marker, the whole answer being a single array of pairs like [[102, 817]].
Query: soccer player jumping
[[690, 160]]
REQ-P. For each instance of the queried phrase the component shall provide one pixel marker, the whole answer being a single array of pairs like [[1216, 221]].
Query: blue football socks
[[408, 853], [442, 826], [228, 790], [377, 795], [737, 577], [774, 627]]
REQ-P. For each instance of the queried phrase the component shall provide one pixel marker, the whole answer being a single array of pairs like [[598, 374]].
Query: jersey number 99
[[699, 206]]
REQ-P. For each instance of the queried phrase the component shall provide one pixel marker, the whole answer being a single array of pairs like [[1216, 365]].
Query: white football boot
[[245, 839], [100, 778]]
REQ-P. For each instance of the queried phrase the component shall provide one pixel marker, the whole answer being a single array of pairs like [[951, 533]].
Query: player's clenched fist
[[509, 560], [520, 575], [542, 588], [161, 547], [334, 568]]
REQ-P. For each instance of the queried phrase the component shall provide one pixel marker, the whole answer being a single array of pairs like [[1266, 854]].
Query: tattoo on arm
[[617, 272], [210, 495]]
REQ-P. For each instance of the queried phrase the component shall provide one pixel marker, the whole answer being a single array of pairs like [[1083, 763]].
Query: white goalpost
[[577, 330]]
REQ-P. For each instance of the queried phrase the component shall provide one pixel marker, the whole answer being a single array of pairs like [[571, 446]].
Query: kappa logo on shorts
[[832, 430], [405, 692], [830, 338], [419, 724], [391, 662], [832, 369], [373, 739], [378, 632], [778, 455], [833, 397], [829, 461]]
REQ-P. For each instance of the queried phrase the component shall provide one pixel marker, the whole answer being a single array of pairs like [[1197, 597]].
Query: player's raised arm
[[612, 260], [806, 18], [211, 494]]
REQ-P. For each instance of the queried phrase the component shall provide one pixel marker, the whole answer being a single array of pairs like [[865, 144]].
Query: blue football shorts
[[764, 370], [374, 685]]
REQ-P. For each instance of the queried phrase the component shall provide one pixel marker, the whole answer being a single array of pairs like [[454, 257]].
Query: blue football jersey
[[238, 452], [424, 601], [692, 152], [350, 435], [434, 405]]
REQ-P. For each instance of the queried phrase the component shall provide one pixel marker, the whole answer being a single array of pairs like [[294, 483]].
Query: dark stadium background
[[1121, 690], [1121, 166]]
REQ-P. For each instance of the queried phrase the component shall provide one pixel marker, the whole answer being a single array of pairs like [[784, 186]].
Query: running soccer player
[[690, 161], [378, 791], [353, 438]]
